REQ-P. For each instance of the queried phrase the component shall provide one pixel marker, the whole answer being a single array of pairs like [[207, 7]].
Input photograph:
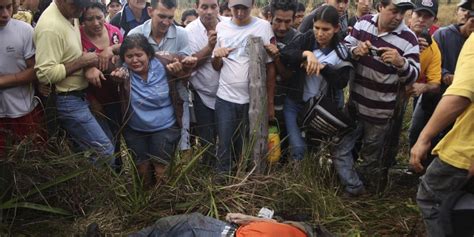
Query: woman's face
[[323, 32], [94, 20], [114, 8], [137, 60]]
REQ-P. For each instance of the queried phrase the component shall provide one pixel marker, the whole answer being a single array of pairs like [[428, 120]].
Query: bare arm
[[206, 52], [24, 77]]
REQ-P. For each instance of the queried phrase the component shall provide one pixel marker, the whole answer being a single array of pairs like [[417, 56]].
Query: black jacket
[[292, 57], [120, 20]]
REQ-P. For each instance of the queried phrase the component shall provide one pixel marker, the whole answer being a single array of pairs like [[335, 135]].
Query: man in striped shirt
[[386, 56]]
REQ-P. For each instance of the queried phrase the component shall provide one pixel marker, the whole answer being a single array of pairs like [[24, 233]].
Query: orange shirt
[[269, 229]]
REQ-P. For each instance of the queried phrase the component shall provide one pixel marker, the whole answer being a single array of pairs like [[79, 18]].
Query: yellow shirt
[[457, 147], [430, 64], [58, 42]]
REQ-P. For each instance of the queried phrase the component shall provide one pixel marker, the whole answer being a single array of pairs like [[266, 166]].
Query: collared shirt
[[430, 65], [150, 100], [175, 40], [205, 79], [58, 42], [131, 18], [374, 91]]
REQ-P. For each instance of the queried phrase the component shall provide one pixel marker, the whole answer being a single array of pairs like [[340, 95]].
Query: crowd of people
[[128, 69]]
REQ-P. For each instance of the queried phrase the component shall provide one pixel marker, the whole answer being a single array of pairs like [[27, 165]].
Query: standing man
[[363, 7], [232, 60], [20, 114], [60, 61], [205, 80], [299, 15], [340, 5], [454, 161], [133, 14], [386, 56]]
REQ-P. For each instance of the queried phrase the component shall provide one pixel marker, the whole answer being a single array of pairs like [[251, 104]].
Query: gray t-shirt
[[16, 46]]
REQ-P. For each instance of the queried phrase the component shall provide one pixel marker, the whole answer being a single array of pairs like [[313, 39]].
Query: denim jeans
[[232, 127], [159, 146], [372, 137], [205, 126], [297, 142], [76, 118], [440, 180], [190, 225]]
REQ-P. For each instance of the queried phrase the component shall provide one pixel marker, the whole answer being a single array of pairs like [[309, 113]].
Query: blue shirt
[[150, 101], [131, 18]]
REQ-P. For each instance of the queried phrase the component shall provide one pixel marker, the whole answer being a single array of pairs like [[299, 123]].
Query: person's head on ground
[[162, 15], [326, 26], [93, 19], [136, 52], [208, 10], [299, 15], [282, 16], [113, 7], [392, 14], [423, 15], [241, 10], [72, 8], [265, 13], [188, 16], [6, 11], [137, 4], [363, 7], [468, 27], [224, 9], [340, 5]]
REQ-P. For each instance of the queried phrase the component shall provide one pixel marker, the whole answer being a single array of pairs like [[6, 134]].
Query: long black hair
[[329, 14], [136, 41]]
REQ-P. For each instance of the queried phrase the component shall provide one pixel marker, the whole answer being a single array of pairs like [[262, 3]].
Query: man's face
[[6, 11], [161, 18], [391, 17], [72, 10], [208, 10], [421, 20], [461, 15], [227, 13], [138, 4], [298, 19], [240, 13], [469, 25], [340, 5], [282, 22], [364, 7]]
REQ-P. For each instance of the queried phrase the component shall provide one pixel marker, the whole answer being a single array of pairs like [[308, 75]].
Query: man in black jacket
[[133, 14]]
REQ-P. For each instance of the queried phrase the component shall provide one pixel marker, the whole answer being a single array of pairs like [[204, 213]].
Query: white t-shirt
[[204, 79], [16, 46], [233, 79]]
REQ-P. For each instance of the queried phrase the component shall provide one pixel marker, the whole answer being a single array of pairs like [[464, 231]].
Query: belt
[[80, 93]]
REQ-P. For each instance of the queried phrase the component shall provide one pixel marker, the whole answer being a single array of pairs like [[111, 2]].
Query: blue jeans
[[373, 138], [76, 118], [232, 127], [189, 225], [440, 180], [205, 126], [297, 142], [158, 146]]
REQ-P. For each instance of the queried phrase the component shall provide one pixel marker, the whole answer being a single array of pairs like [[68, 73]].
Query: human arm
[[274, 53], [24, 77], [242, 219], [203, 54], [220, 53]]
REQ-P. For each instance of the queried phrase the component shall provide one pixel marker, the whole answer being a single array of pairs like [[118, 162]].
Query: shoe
[[360, 192]]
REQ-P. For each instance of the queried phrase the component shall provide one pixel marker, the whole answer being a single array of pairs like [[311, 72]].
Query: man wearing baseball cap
[[60, 63]]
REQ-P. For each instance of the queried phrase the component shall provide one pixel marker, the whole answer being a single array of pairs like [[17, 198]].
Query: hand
[[223, 52], [175, 68], [417, 89], [44, 89], [272, 50], [418, 153], [448, 79], [312, 64], [362, 48], [120, 74], [104, 57], [423, 43], [392, 56], [94, 76], [189, 62], [89, 59], [211, 39]]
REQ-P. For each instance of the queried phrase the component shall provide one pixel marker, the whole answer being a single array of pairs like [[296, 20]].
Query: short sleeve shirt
[[234, 74], [16, 46]]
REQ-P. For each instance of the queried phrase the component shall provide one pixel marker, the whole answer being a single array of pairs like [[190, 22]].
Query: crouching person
[[151, 106]]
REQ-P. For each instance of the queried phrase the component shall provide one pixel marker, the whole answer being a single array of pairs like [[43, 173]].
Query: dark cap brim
[[405, 5], [431, 11]]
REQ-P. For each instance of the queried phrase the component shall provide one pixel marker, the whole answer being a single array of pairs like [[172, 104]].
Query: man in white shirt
[[232, 60], [205, 80]]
